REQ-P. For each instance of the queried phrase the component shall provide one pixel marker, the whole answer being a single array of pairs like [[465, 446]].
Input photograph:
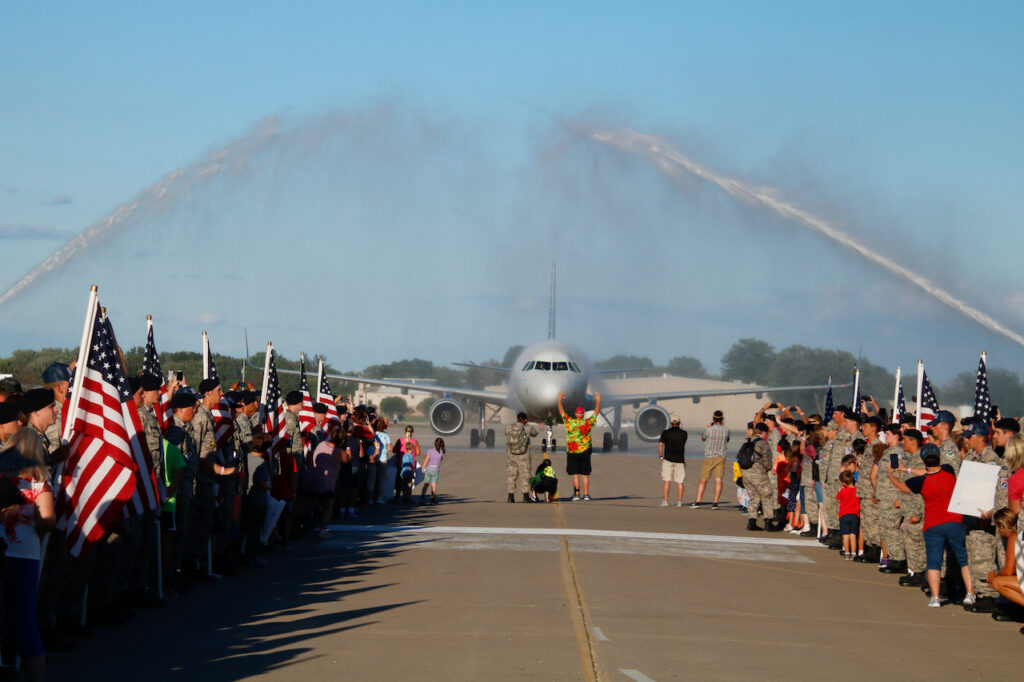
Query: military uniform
[[758, 483], [54, 431], [204, 435], [154, 440], [869, 511], [983, 547], [518, 465], [829, 470], [913, 533], [889, 515]]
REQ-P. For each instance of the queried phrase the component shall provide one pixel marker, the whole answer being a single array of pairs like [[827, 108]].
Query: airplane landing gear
[[474, 438], [623, 442], [548, 444], [488, 438], [606, 446]]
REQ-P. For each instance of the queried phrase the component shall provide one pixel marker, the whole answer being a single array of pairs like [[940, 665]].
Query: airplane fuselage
[[544, 370]]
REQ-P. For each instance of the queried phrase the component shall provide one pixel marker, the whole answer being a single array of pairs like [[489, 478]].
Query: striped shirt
[[715, 437]]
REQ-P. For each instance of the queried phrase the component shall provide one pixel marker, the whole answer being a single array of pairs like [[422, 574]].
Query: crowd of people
[[879, 492], [225, 506]]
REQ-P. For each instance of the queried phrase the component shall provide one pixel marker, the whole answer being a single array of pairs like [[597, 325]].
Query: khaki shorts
[[673, 471], [714, 466]]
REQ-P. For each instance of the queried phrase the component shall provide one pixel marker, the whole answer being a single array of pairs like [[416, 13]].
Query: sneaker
[[664, 503], [586, 498], [575, 497], [968, 599], [695, 505], [714, 505], [934, 603], [679, 504], [883, 562]]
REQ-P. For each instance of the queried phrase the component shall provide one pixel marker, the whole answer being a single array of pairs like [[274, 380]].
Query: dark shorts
[[937, 538], [849, 524], [578, 463]]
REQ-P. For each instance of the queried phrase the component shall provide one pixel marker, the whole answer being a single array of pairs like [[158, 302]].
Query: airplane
[[539, 374]]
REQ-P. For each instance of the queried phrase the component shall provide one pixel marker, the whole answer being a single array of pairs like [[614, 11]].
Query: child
[[544, 481], [432, 470], [794, 457], [849, 513], [406, 475]]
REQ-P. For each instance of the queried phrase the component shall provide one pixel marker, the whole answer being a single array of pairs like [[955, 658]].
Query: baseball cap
[[943, 417], [975, 429], [674, 419], [57, 371]]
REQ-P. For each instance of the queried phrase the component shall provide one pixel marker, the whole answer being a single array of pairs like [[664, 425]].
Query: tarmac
[[617, 588]]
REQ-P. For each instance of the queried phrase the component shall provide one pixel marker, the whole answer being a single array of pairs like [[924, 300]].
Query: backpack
[[745, 457], [518, 438]]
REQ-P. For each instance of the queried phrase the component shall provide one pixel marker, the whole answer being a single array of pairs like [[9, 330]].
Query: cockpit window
[[573, 367], [561, 366], [528, 366], [542, 365]]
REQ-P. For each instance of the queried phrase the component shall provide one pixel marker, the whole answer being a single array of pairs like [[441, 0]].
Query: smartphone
[[894, 461], [180, 375]]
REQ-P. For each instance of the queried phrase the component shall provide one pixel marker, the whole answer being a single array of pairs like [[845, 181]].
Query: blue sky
[[422, 162]]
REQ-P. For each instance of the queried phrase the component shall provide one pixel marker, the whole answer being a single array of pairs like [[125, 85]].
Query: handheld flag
[[982, 404], [223, 420], [151, 365]]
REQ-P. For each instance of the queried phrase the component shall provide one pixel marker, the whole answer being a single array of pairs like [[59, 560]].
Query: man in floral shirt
[[578, 448]]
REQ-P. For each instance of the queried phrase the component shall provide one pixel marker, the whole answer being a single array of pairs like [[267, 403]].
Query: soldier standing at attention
[[56, 378], [758, 484], [518, 467], [578, 445], [940, 434], [205, 437], [829, 460], [889, 511], [866, 493]]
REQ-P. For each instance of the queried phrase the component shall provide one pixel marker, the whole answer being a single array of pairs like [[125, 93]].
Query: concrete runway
[[613, 589]]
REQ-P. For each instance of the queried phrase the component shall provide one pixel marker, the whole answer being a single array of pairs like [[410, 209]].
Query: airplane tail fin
[[551, 306]]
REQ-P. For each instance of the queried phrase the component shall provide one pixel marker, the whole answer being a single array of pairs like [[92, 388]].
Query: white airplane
[[539, 374]]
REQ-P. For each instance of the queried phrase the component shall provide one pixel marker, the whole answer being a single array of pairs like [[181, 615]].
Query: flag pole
[[896, 392], [319, 379], [920, 389], [83, 354], [266, 380], [856, 390]]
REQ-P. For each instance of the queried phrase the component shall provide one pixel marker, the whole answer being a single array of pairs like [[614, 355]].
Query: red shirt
[[849, 503], [936, 489], [1015, 486]]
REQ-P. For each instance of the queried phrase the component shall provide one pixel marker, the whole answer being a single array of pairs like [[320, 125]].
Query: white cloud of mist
[[386, 232]]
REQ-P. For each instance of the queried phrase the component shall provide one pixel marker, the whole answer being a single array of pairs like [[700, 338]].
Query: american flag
[[223, 420], [928, 406], [307, 418], [151, 365], [105, 445], [829, 405], [901, 405], [982, 404], [327, 398], [273, 406]]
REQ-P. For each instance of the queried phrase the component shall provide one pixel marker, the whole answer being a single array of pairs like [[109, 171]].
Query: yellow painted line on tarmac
[[576, 606]]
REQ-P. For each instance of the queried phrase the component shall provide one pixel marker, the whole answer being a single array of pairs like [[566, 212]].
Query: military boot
[[752, 525], [511, 497], [835, 540], [912, 579], [895, 566]]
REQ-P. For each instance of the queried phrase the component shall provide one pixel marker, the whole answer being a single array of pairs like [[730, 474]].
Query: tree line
[[748, 360]]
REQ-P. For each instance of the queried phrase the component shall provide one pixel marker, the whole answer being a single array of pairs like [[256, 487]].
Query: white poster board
[[975, 488]]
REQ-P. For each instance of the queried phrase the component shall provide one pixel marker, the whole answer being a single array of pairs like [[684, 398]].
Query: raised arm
[[561, 410], [597, 402], [898, 484]]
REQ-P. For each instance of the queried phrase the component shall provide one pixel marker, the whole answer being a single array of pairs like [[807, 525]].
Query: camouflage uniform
[[154, 439], [518, 465], [950, 454], [758, 483], [295, 448], [204, 435], [243, 448], [913, 533], [54, 431], [828, 467], [889, 515], [869, 510], [983, 547]]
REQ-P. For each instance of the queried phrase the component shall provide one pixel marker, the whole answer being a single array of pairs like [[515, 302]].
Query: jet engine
[[447, 417], [650, 421]]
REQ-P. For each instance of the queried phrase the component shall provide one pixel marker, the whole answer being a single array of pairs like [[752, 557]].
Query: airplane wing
[[503, 370], [612, 400], [492, 397]]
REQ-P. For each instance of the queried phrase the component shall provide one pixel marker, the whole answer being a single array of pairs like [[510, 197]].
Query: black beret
[[319, 408], [293, 398], [877, 421], [36, 399], [183, 398], [134, 383], [247, 397], [10, 385], [9, 412], [853, 417], [1008, 424], [762, 427], [151, 382], [208, 385]]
